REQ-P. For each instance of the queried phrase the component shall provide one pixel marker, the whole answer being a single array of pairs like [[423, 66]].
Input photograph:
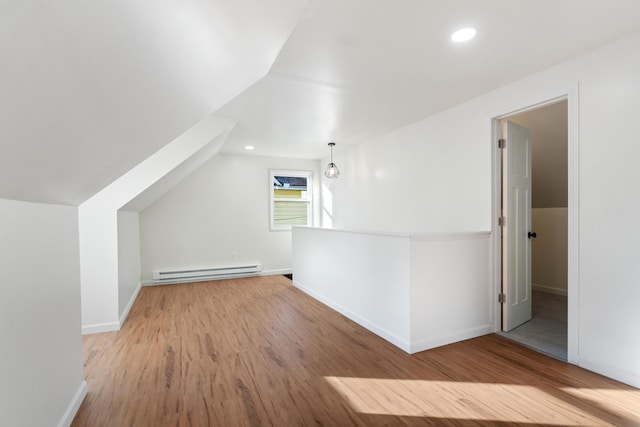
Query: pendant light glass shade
[[332, 171]]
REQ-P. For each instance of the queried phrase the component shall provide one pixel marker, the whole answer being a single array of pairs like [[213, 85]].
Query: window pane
[[290, 187], [291, 198], [289, 213]]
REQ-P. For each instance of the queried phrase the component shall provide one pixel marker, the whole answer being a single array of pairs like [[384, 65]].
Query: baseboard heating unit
[[200, 274]]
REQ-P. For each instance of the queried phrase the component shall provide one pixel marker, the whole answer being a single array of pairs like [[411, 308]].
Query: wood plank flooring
[[259, 352]]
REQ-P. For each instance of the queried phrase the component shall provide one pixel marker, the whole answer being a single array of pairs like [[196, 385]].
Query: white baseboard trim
[[125, 313], [112, 326], [381, 332], [427, 344], [196, 280], [74, 405], [549, 289], [278, 272], [100, 327], [630, 378]]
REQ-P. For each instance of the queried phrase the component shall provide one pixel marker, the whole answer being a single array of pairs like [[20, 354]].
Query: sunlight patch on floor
[[463, 400], [624, 402]]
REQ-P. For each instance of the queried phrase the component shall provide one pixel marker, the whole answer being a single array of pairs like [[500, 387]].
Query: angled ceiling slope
[[179, 168], [89, 90], [353, 70]]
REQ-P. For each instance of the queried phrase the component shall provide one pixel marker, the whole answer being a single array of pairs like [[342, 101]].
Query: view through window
[[290, 199]]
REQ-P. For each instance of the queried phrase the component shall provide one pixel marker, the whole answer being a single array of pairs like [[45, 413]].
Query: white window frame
[[272, 199]]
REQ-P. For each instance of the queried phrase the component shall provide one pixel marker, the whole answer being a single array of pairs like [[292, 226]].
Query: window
[[290, 199]]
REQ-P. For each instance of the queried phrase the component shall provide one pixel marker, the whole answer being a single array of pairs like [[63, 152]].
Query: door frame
[[573, 279]]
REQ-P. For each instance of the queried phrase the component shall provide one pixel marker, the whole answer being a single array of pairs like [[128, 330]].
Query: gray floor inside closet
[[546, 332]]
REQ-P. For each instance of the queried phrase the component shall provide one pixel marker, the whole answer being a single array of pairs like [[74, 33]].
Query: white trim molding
[[278, 272], [448, 339], [397, 286], [74, 405], [381, 332], [113, 326], [571, 95], [125, 313], [100, 327], [610, 371], [573, 272]]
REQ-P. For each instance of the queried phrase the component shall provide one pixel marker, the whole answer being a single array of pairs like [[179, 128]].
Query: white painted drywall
[[609, 210], [98, 219], [99, 268], [422, 178], [549, 250], [219, 216], [549, 156], [417, 292], [40, 344], [549, 132], [128, 260], [435, 175], [111, 83], [450, 288], [362, 275]]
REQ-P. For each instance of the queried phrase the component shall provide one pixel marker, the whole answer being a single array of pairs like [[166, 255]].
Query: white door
[[516, 230]]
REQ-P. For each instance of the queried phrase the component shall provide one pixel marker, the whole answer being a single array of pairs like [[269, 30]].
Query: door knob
[[531, 234]]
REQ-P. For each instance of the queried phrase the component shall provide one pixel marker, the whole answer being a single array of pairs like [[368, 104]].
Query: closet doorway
[[534, 243]]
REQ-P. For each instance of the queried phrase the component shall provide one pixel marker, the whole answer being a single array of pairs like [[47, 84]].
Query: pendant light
[[332, 171]]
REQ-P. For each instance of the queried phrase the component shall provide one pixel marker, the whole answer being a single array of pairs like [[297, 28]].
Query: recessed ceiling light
[[463, 35], [249, 147]]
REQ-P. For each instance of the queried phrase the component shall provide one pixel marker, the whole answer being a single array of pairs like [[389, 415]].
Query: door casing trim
[[573, 257]]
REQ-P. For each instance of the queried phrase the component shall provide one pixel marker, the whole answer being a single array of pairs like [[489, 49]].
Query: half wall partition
[[416, 291]]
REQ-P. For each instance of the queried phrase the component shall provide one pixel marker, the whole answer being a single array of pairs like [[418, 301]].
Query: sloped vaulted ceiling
[[90, 89], [353, 70]]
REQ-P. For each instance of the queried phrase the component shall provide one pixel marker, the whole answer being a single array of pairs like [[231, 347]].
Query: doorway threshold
[[546, 332], [562, 356]]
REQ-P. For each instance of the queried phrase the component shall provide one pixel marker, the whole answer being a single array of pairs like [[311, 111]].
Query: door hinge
[[502, 143], [502, 298], [502, 221]]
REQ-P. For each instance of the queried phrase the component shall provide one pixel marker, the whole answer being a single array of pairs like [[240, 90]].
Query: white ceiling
[[90, 89], [356, 69]]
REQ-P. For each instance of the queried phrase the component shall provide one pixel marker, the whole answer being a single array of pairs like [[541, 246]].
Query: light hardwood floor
[[259, 352]]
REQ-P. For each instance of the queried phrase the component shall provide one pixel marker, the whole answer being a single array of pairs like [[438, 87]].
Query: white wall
[[450, 288], [435, 175], [549, 153], [99, 267], [219, 216], [549, 132], [609, 210], [430, 176], [128, 261], [40, 344], [417, 292], [364, 276], [549, 250], [98, 219], [112, 83]]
